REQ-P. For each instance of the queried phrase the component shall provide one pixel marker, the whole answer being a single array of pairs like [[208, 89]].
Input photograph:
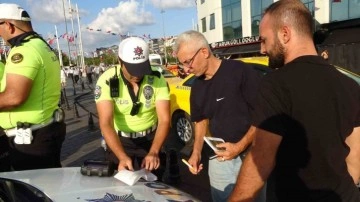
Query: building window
[[232, 25], [344, 10], [310, 5], [203, 24], [202, 1], [257, 9], [212, 21]]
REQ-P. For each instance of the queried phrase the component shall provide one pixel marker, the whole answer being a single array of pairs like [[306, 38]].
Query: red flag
[[71, 39], [50, 41]]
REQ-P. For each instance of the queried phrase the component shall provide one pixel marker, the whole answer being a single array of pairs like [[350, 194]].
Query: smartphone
[[213, 141]]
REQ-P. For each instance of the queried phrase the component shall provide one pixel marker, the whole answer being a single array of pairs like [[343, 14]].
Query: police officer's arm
[[16, 92], [257, 165], [152, 161], [105, 110], [353, 158]]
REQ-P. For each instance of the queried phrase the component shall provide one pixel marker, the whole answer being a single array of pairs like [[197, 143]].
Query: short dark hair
[[293, 12]]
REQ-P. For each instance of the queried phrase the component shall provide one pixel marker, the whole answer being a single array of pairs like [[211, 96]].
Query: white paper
[[131, 177]]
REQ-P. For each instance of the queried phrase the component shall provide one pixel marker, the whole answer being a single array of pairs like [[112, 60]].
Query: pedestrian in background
[[220, 100], [71, 73], [63, 77], [76, 73], [133, 106], [307, 118], [89, 72], [96, 72], [29, 94]]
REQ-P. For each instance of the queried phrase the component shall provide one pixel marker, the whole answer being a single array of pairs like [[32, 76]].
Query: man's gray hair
[[195, 38]]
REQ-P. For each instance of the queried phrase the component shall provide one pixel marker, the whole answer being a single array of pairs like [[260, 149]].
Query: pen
[[187, 163]]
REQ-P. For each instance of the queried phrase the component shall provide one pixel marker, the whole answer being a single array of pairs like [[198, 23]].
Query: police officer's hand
[[125, 163], [151, 161], [194, 161]]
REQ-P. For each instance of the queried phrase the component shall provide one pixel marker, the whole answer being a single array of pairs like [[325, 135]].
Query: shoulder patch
[[17, 58], [156, 73], [97, 92]]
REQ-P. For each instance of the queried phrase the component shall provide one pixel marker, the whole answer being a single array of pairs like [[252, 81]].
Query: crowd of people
[[75, 73], [289, 130]]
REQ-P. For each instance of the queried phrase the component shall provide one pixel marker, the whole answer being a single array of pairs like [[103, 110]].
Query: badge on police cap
[[17, 58]]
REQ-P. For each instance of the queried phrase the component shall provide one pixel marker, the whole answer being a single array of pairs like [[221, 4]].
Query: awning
[[218, 51], [249, 48], [232, 50]]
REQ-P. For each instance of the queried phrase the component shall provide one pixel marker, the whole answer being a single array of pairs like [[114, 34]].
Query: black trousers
[[4, 152], [43, 152]]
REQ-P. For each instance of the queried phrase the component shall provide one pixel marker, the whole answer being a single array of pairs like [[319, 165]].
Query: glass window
[[255, 22], [354, 9], [310, 5], [235, 12], [203, 24], [225, 2], [257, 9], [228, 31], [237, 27], [226, 13], [231, 13], [339, 10], [212, 21]]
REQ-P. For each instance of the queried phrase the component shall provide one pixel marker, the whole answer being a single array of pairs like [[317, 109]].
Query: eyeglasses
[[189, 62]]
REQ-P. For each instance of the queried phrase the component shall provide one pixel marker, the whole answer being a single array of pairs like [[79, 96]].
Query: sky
[[102, 22]]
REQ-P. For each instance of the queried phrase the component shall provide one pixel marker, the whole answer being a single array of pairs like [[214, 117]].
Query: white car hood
[[68, 184]]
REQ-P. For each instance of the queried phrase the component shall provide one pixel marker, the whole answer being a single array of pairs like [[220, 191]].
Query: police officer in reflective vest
[[30, 120], [133, 107]]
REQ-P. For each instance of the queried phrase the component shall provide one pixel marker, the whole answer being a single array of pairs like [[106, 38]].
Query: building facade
[[232, 26]]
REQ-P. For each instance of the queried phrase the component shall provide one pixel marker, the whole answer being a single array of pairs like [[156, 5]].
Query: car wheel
[[183, 127]]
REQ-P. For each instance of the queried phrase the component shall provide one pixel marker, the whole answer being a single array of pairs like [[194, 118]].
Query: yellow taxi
[[180, 100]]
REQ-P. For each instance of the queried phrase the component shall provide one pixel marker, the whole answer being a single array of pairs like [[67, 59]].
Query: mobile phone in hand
[[213, 141]]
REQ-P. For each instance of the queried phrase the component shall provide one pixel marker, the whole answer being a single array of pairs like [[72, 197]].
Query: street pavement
[[83, 141]]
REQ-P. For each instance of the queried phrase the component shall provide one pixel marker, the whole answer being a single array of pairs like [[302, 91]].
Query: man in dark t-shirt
[[220, 102], [307, 118]]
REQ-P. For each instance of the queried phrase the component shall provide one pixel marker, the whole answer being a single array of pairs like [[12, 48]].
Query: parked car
[[180, 101], [68, 184]]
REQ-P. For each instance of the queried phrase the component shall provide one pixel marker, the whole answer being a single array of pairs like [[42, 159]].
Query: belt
[[138, 134], [12, 132]]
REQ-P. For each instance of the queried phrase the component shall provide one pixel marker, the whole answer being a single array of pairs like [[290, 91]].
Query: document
[[131, 177]]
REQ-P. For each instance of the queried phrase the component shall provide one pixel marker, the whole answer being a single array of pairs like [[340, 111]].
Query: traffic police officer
[[133, 107], [29, 94]]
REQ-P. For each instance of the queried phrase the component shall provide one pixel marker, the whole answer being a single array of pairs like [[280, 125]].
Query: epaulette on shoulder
[[156, 73]]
